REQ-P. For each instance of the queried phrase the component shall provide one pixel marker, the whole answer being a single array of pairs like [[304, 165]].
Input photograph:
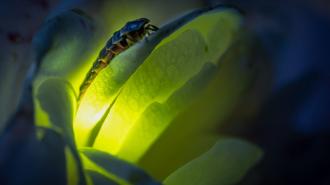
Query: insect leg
[[152, 27], [132, 37], [121, 46], [129, 41], [149, 29]]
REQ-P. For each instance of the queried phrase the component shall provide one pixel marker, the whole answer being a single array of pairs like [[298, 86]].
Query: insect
[[121, 40]]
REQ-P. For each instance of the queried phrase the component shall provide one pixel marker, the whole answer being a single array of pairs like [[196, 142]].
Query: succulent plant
[[153, 114]]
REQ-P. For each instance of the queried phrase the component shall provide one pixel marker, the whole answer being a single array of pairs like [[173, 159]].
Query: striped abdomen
[[121, 40]]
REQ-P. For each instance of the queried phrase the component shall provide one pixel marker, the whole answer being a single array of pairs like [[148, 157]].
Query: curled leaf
[[61, 50]]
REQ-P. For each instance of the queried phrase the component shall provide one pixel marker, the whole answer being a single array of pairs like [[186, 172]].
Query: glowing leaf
[[193, 130], [108, 83], [172, 63], [155, 120]]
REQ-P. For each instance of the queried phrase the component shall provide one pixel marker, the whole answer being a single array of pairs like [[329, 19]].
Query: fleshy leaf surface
[[105, 88], [193, 129], [171, 64]]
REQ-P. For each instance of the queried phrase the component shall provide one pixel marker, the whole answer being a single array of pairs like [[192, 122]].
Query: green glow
[[103, 92], [167, 68], [153, 81], [87, 116], [193, 130]]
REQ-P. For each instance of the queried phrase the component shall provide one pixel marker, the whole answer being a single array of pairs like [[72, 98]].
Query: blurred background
[[291, 124]]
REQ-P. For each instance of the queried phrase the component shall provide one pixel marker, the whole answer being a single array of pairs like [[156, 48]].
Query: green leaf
[[154, 121], [55, 108], [193, 129], [55, 105], [105, 88], [181, 93], [65, 48], [171, 64], [225, 163]]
